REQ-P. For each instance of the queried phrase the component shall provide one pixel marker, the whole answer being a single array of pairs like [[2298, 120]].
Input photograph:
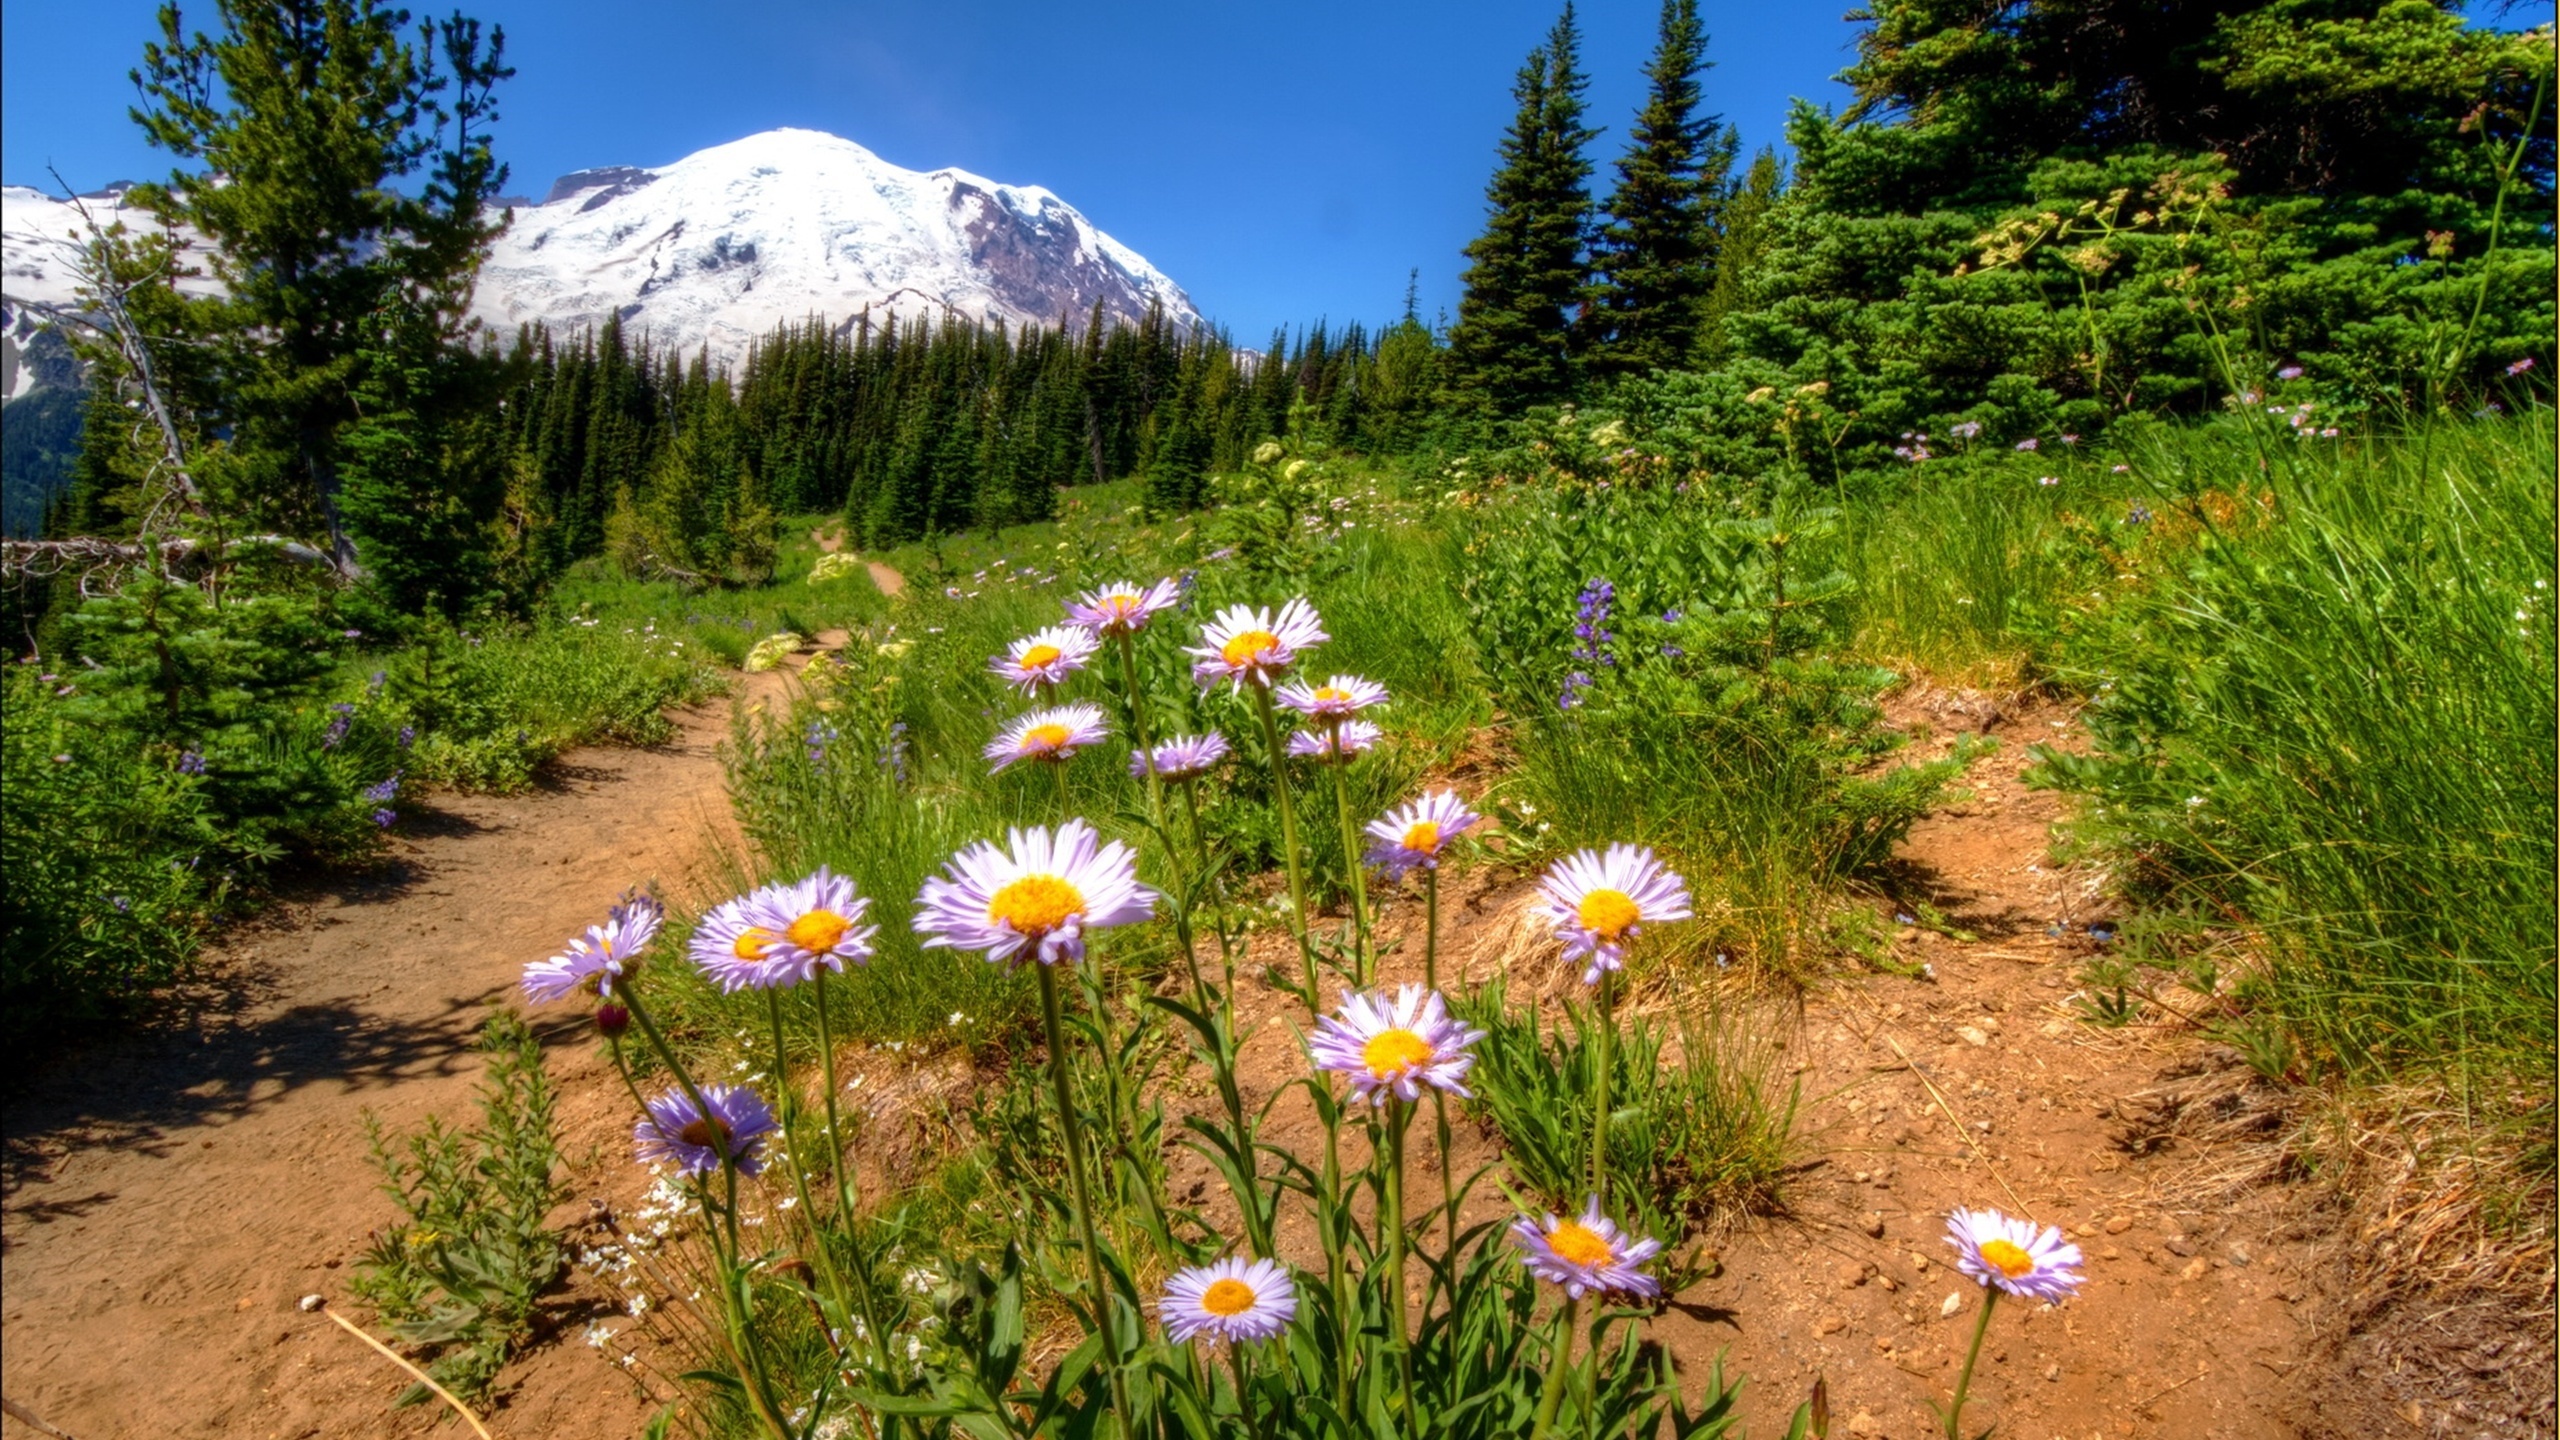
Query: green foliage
[[353, 163], [487, 711], [2325, 711], [461, 1271], [1674, 663], [1655, 260], [1527, 272], [1706, 1138], [105, 848]]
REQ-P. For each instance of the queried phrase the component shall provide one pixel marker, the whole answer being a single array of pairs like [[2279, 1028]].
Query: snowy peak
[[721, 246], [718, 248]]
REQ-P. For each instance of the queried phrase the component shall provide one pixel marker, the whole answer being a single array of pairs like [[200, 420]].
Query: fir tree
[[1655, 257], [354, 169], [1511, 345], [1746, 232]]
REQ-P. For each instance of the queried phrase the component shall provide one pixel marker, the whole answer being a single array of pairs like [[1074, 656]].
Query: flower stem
[[1074, 1133], [840, 1159], [1439, 1099], [1399, 1114], [1551, 1391], [1964, 1381], [1601, 1034], [1360, 957], [1289, 842], [784, 1104], [1244, 1405]]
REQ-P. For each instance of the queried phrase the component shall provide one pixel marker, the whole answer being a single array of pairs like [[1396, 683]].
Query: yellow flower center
[[1579, 1244], [1332, 694], [1227, 1297], [1391, 1053], [1248, 648], [1039, 655], [818, 931], [1609, 914], [1122, 605], [2011, 1261], [751, 942], [1036, 904], [1044, 738], [705, 1132], [1424, 836]]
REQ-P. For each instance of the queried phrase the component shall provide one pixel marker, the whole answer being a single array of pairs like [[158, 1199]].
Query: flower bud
[[1267, 451], [612, 1019]]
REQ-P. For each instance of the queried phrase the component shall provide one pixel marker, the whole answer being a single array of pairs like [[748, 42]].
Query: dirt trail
[[170, 1196], [829, 541]]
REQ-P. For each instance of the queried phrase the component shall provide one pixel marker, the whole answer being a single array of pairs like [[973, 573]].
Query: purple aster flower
[[1412, 836], [1599, 902], [599, 958], [1396, 1047], [1586, 1255], [1231, 1300], [1345, 741], [681, 1133], [1038, 893], [2026, 1259], [1184, 757]]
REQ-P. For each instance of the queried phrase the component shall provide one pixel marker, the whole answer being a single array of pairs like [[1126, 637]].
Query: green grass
[[2324, 710]]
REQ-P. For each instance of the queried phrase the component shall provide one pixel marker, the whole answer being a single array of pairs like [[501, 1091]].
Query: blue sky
[[1282, 162]]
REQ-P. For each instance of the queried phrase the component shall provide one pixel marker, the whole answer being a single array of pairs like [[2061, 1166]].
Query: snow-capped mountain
[[723, 245], [718, 248]]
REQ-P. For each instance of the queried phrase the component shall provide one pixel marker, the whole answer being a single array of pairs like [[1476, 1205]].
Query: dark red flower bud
[[612, 1019]]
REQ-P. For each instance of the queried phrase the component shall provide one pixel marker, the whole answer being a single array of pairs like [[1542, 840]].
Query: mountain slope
[[721, 246]]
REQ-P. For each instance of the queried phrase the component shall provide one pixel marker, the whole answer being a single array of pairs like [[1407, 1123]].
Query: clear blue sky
[[1281, 162]]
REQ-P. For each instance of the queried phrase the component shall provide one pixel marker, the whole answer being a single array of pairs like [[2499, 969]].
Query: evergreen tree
[[1738, 250], [1655, 257], [1511, 347], [345, 165]]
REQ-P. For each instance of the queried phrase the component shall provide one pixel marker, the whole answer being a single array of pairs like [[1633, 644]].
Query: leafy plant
[[461, 1271], [1708, 1136]]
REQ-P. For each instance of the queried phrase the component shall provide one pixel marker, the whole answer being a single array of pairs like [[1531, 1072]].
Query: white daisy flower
[[1040, 893], [1600, 902]]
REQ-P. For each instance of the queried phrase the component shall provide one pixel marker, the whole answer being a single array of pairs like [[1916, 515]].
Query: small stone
[[1865, 1423], [1830, 1325], [1973, 1035], [1875, 1224], [1851, 1274], [2053, 1371], [2239, 1253], [2179, 1245], [311, 1302], [1953, 1304], [2120, 1224], [1919, 1262], [2195, 1270]]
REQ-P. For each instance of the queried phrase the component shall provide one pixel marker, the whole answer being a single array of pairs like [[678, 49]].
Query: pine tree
[[1655, 257], [1511, 347], [1746, 230], [354, 169]]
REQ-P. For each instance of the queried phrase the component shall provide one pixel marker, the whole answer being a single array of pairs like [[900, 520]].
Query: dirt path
[[171, 1196], [830, 540]]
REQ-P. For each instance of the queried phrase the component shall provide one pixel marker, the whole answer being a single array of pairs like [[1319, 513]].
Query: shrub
[[460, 1271]]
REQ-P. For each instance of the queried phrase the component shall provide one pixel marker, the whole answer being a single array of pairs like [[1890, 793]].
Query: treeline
[[911, 427]]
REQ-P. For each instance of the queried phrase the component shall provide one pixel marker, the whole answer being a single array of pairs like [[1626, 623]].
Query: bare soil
[[172, 1195]]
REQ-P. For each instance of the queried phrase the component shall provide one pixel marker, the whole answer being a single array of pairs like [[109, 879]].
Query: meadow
[[2316, 683]]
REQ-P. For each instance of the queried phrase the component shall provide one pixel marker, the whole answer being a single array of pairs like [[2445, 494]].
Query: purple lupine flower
[[373, 685], [191, 763], [384, 818], [1591, 623], [1574, 685], [386, 790], [408, 736]]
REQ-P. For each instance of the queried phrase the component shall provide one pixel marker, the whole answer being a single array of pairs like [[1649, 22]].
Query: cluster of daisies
[[1037, 897]]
